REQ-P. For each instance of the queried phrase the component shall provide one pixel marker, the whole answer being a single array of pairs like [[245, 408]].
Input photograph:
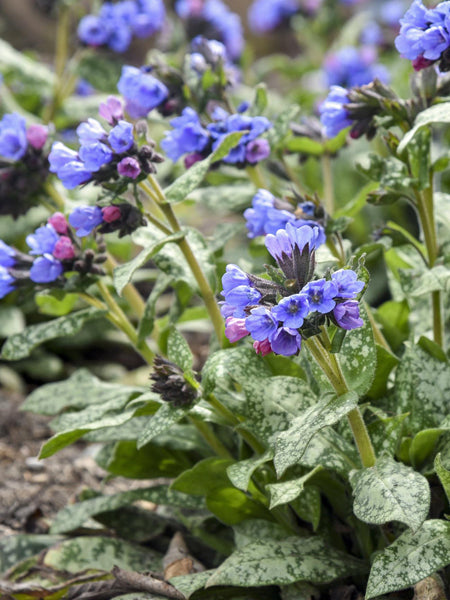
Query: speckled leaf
[[188, 584], [21, 344], [25, 68], [332, 451], [241, 472], [422, 388], [73, 516], [80, 390], [424, 442], [385, 434], [12, 321], [411, 558], [299, 591], [439, 113], [147, 321], [178, 350], [252, 530], [287, 491], [390, 491], [161, 421], [192, 178], [15, 548], [103, 553], [443, 474], [308, 506], [280, 562], [291, 444], [417, 282], [124, 273]]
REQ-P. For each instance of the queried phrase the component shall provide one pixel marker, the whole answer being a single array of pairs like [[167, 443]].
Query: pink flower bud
[[37, 136], [262, 348], [63, 248], [235, 329], [111, 213], [129, 167], [58, 222], [111, 110], [191, 159]]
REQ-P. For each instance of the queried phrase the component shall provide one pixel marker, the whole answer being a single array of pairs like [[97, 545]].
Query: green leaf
[[439, 113], [252, 530], [287, 491], [188, 584], [241, 472], [305, 145], [386, 361], [418, 150], [416, 282], [393, 317], [161, 421], [82, 389], [390, 491], [147, 321], [102, 553], [178, 350], [411, 558], [24, 68], [385, 433], [192, 178], [260, 102], [424, 442], [73, 516], [12, 321], [308, 506], [206, 476], [56, 307], [269, 562], [21, 344], [124, 273], [291, 444], [15, 548], [443, 474]]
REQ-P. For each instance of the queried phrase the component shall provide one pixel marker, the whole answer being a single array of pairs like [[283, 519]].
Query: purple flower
[[111, 214], [13, 136], [264, 348], [95, 155], [265, 15], [188, 135], [291, 311], [285, 240], [59, 222], [261, 324], [257, 150], [346, 315], [286, 341], [111, 110], [7, 255], [121, 137], [85, 218], [60, 155], [37, 136], [74, 173], [333, 114], [235, 329], [90, 131], [46, 269], [347, 283], [142, 91], [129, 167], [43, 240], [233, 277], [320, 295], [6, 282], [64, 248]]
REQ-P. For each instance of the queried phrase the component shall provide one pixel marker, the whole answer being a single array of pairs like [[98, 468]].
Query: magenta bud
[[235, 329], [58, 222], [129, 167], [37, 136], [111, 110], [63, 248], [111, 213], [420, 63], [262, 348], [191, 159]]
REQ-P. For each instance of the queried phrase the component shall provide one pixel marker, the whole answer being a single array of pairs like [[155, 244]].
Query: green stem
[[55, 195], [209, 437], [329, 364], [328, 188], [377, 334], [256, 176]]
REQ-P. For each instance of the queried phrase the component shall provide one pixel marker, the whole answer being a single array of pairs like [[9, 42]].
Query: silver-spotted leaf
[[178, 350], [241, 472], [188, 584], [161, 421], [287, 491], [443, 474], [439, 113]]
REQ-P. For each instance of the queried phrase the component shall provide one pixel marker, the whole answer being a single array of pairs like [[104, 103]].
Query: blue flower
[[286, 341], [43, 240], [333, 114], [7, 255], [350, 67], [93, 31], [149, 19], [285, 240], [13, 136], [226, 124], [233, 277], [85, 218], [46, 269], [6, 282], [265, 15], [347, 283], [142, 91], [291, 311], [90, 131], [346, 315], [320, 295], [121, 137], [242, 296], [95, 155], [74, 173], [187, 136], [257, 216], [261, 324], [60, 155]]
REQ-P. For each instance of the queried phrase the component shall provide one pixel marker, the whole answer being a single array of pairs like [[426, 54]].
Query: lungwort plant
[[282, 293]]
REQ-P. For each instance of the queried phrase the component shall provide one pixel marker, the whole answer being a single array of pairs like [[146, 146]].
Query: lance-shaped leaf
[[192, 178], [411, 558], [443, 474], [124, 273], [390, 491], [161, 421], [269, 562], [287, 491], [292, 443], [439, 113], [178, 350], [21, 344], [188, 584], [241, 472]]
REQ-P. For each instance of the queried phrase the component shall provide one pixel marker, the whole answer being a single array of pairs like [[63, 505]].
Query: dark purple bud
[[129, 167], [111, 213]]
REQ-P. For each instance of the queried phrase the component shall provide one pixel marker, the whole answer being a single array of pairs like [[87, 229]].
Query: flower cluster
[[424, 36], [189, 136], [142, 91], [333, 112], [56, 248], [266, 15], [269, 214], [116, 24], [277, 316], [212, 55], [214, 20], [23, 163], [103, 156], [350, 67]]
